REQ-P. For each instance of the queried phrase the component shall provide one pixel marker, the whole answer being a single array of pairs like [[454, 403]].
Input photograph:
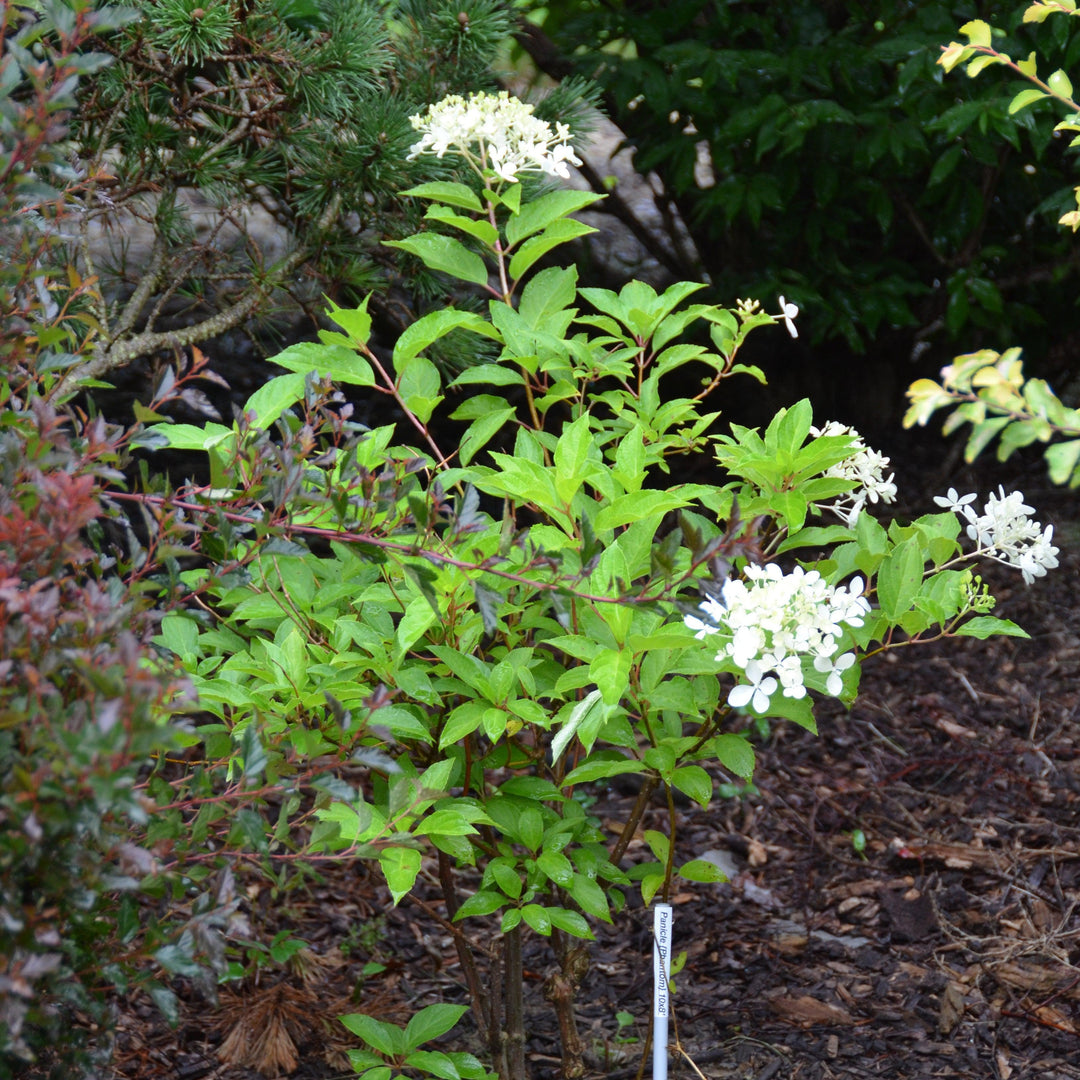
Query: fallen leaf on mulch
[[807, 1011], [1045, 979], [952, 1008]]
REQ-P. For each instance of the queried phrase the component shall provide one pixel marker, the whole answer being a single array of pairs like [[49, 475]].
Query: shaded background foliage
[[819, 151]]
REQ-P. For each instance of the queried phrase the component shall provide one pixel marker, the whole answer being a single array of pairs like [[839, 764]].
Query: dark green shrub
[[816, 151]]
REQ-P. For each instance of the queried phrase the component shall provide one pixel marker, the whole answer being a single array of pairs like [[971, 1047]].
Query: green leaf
[[271, 400], [985, 626], [735, 753], [191, 437], [977, 32], [431, 1022], [433, 1063], [356, 322], [571, 453], [1060, 84], [594, 769], [419, 385], [480, 432], [659, 844], [556, 866], [531, 828], [571, 922], [542, 212], [401, 722], [560, 232], [337, 362], [590, 897], [537, 918], [506, 877], [694, 781], [167, 1002], [610, 670], [381, 1072], [1063, 459], [899, 578], [490, 374], [400, 866], [637, 506], [387, 1038], [548, 294], [444, 191], [650, 886], [483, 902], [589, 703], [1023, 99], [479, 229], [446, 254], [414, 623], [447, 822], [431, 327], [790, 507], [463, 721]]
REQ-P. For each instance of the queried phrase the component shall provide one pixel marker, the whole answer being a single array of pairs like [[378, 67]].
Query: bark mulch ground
[[950, 947]]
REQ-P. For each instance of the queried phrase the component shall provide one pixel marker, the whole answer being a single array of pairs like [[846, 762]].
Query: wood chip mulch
[[949, 948]]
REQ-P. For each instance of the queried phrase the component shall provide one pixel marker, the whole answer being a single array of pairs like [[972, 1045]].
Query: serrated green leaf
[[480, 432], [571, 922], [431, 1022], [590, 897], [637, 506], [556, 866], [559, 232], [447, 192], [695, 782], [899, 577], [483, 902], [578, 715], [272, 399], [985, 626], [400, 867], [336, 362], [537, 918], [543, 212], [445, 254], [735, 753], [592, 770], [387, 1038]]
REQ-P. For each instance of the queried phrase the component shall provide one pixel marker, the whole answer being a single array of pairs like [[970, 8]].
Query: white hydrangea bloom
[[1005, 531], [497, 132], [773, 621], [865, 466]]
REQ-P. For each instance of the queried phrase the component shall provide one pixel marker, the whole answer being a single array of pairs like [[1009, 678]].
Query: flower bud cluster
[[866, 467], [497, 132], [1005, 531], [775, 622]]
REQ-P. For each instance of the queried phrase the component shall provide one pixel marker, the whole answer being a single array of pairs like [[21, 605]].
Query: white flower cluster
[[1004, 531], [497, 132], [775, 621], [866, 467]]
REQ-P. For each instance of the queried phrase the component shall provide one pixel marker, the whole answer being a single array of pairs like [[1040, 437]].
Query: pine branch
[[121, 351]]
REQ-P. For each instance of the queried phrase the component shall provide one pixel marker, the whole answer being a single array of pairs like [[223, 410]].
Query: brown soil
[[949, 948]]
